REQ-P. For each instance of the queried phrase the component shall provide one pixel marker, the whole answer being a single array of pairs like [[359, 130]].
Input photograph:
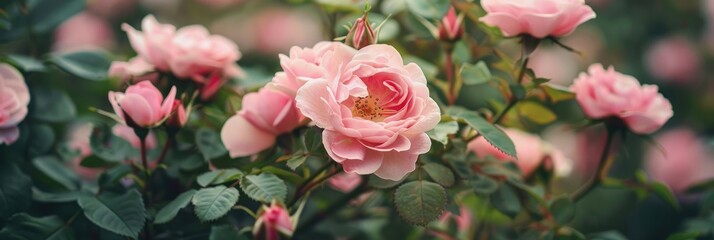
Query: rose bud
[[450, 28], [140, 106], [178, 116], [361, 34], [273, 222]]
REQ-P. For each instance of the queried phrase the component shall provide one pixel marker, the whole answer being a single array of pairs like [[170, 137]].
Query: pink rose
[[265, 115], [127, 133], [154, 43], [531, 152], [540, 19], [345, 182], [272, 222], [83, 31], [141, 105], [450, 27], [14, 97], [179, 117], [673, 59], [78, 137], [681, 161], [135, 70], [304, 64], [375, 110], [195, 53], [605, 93]]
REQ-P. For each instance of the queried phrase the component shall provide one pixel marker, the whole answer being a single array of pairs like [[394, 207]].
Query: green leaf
[[225, 232], [209, 143], [440, 174], [22, 226], [121, 214], [420, 202], [536, 112], [61, 197], [441, 132], [557, 93], [379, 183], [41, 139], [608, 235], [52, 105], [491, 133], [663, 191], [264, 187], [108, 146], [212, 203], [15, 189], [296, 160], [313, 140], [219, 176], [45, 15], [169, 211], [506, 201], [113, 175], [90, 65], [25, 63], [682, 236], [51, 167], [474, 74], [483, 185], [434, 9], [563, 210], [393, 6]]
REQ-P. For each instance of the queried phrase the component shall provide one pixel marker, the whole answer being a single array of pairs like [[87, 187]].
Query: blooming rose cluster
[[190, 52], [604, 93], [539, 19], [14, 98], [375, 110]]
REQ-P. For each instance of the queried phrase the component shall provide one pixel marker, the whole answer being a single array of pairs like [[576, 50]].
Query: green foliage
[[213, 203], [108, 146], [491, 133], [25, 63], [506, 200], [168, 212], [43, 14], [209, 143], [536, 112], [15, 189], [474, 74], [434, 9], [121, 214], [563, 210], [420, 202], [225, 232], [440, 174], [52, 168], [22, 226], [84, 64], [219, 176], [442, 131], [556, 93], [264, 187]]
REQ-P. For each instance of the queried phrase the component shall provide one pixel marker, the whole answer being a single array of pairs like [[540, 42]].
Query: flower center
[[369, 108]]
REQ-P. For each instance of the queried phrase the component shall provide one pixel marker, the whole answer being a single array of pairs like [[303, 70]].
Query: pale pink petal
[[243, 139]]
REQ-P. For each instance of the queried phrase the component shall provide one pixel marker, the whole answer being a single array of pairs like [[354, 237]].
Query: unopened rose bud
[[178, 115], [210, 87], [273, 222], [450, 28], [361, 34]]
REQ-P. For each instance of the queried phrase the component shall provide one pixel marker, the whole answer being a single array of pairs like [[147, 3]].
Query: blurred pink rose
[[14, 98], [78, 137], [304, 64], [581, 150], [558, 65], [605, 93], [178, 116], [82, 32], [110, 9], [219, 3], [450, 27], [540, 19], [154, 43], [463, 224], [135, 70], [375, 111], [141, 105], [272, 30], [265, 115], [196, 54], [345, 182], [272, 222], [673, 59], [531, 152], [682, 160], [127, 133]]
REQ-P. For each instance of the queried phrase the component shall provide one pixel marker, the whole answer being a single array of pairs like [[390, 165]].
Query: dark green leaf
[[15, 189], [113, 175], [563, 210], [51, 167], [505, 199], [483, 185], [473, 74], [45, 15], [22, 226], [663, 191], [108, 146], [313, 140], [219, 176], [379, 183], [440, 174], [90, 65], [25, 63], [209, 143], [212, 203], [434, 9], [41, 139], [170, 210], [225, 232], [442, 130], [52, 105], [265, 187], [491, 133], [121, 214], [609, 235], [420, 202], [61, 197]]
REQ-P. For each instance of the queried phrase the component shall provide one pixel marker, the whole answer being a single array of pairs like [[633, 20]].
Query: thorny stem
[[307, 184], [602, 170], [164, 150], [513, 100]]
